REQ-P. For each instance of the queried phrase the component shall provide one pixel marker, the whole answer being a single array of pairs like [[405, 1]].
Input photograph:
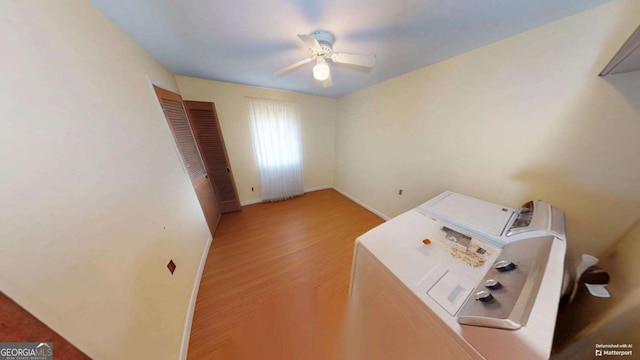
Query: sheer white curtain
[[275, 131]]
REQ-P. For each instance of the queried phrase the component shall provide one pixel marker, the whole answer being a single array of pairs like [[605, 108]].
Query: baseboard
[[250, 202], [255, 201], [184, 348], [318, 188], [380, 214]]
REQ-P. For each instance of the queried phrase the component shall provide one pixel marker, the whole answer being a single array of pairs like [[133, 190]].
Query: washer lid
[[474, 214]]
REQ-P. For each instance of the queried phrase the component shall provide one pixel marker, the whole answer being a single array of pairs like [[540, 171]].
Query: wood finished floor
[[276, 280], [18, 325]]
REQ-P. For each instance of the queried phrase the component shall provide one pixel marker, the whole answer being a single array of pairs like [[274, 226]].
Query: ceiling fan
[[320, 45]]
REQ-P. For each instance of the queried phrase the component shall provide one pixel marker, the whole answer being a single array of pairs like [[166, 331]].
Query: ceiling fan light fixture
[[320, 45], [321, 70]]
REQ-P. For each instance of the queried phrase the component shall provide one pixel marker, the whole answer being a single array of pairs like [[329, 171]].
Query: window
[[275, 131]]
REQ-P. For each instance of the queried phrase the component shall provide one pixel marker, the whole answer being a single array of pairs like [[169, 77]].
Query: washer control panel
[[504, 297]]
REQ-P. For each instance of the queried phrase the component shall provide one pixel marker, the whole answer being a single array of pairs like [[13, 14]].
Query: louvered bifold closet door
[[204, 121], [176, 116]]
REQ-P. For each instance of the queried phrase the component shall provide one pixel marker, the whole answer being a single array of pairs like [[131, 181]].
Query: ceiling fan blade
[[293, 66], [366, 61], [328, 82], [311, 42]]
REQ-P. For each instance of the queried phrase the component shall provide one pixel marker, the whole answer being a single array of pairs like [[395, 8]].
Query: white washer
[[424, 283]]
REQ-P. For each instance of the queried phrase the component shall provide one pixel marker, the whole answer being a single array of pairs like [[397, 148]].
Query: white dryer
[[458, 278]]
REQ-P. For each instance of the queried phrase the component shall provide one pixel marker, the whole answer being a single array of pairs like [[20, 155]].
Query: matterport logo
[[26, 351], [614, 350]]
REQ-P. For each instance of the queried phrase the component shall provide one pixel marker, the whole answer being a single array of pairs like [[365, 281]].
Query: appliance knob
[[484, 296], [492, 284], [505, 265]]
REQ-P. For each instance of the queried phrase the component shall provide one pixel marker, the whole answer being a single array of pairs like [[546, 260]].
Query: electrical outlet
[[400, 192], [172, 266]]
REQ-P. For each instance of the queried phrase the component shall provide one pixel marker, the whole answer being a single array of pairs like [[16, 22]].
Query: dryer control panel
[[504, 297]]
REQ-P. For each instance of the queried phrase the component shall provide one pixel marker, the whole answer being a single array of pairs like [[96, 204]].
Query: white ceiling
[[245, 41]]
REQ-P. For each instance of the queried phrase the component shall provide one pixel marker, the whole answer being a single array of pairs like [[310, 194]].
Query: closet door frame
[[200, 181]]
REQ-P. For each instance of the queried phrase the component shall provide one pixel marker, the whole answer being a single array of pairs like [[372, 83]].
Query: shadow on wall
[[588, 166], [595, 218], [627, 85], [591, 173]]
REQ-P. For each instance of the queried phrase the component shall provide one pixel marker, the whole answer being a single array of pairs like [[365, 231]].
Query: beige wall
[[318, 130], [623, 267], [526, 117], [94, 200], [622, 262], [93, 197]]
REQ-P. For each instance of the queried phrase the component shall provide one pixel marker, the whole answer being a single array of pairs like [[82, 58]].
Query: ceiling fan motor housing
[[325, 39]]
